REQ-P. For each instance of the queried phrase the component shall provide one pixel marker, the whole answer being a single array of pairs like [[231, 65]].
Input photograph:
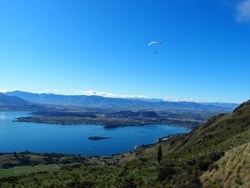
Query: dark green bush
[[214, 156], [129, 183], [166, 172], [203, 164]]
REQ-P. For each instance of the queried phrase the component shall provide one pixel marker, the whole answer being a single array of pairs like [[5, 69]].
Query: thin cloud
[[174, 99], [55, 91], [110, 95], [2, 90], [243, 11]]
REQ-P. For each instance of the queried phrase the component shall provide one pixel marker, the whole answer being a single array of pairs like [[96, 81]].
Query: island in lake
[[98, 138]]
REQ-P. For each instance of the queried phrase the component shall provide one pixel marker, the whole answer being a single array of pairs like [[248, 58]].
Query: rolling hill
[[6, 100], [219, 133], [14, 103]]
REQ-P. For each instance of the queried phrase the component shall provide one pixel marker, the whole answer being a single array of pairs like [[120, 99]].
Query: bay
[[73, 139]]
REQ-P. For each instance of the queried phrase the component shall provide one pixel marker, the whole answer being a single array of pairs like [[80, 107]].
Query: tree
[[15, 154], [159, 154]]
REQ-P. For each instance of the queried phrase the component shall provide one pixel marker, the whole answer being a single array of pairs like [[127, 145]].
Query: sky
[[101, 47]]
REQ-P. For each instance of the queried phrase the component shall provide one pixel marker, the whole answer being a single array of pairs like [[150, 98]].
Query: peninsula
[[112, 118]]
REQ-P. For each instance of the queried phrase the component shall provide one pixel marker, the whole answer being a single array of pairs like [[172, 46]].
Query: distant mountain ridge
[[105, 102], [6, 100]]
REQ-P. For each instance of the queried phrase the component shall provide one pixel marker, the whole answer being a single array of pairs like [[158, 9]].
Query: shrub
[[166, 172], [203, 164], [214, 156], [159, 154], [129, 183]]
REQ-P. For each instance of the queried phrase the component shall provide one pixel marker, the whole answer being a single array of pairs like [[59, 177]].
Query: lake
[[73, 139]]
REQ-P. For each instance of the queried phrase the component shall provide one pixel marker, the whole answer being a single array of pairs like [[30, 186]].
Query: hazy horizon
[[113, 95]]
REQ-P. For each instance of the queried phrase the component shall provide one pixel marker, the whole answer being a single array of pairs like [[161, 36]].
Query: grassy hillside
[[215, 154], [187, 157], [219, 133], [232, 170]]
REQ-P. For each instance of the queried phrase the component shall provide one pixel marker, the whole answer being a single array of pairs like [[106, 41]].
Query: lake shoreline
[[111, 119], [51, 138]]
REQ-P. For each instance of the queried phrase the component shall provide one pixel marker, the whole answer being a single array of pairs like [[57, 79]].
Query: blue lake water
[[73, 139]]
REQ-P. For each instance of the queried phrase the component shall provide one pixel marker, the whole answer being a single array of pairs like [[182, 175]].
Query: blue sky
[[100, 47]]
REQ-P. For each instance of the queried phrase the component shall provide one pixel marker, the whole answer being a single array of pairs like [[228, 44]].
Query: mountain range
[[105, 102]]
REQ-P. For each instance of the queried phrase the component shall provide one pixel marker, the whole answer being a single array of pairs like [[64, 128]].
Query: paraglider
[[153, 43]]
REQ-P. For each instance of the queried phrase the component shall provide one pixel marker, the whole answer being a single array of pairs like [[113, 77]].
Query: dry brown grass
[[232, 170]]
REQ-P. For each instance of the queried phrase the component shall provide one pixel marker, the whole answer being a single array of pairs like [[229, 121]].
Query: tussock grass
[[232, 170]]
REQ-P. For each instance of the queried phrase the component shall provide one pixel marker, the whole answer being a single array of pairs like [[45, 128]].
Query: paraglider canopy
[[154, 43]]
